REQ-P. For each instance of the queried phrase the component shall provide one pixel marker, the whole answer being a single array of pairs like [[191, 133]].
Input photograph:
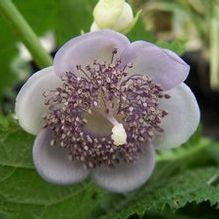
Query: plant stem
[[25, 32], [214, 53]]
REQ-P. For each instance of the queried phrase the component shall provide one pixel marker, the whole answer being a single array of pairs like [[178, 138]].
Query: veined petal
[[29, 106], [163, 66], [52, 162], [126, 177], [182, 119], [83, 50]]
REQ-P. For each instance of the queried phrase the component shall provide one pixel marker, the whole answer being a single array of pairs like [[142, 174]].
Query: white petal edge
[[52, 162], [29, 106], [84, 49], [162, 65], [127, 177], [182, 119]]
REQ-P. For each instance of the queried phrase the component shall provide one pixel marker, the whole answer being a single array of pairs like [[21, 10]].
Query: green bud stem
[[214, 53], [25, 32]]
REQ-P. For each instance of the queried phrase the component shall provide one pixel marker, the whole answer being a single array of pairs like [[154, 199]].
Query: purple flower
[[104, 107]]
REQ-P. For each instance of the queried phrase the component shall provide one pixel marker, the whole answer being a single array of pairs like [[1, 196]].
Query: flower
[[114, 14], [103, 109]]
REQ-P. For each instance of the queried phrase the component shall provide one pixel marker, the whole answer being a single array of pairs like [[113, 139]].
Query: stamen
[[84, 72], [113, 54], [129, 104]]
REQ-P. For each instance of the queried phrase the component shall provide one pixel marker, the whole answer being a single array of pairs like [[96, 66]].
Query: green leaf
[[178, 45], [7, 53], [173, 193], [214, 151], [139, 32], [72, 18]]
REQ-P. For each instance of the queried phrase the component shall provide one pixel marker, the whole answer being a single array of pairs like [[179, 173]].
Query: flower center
[[105, 115]]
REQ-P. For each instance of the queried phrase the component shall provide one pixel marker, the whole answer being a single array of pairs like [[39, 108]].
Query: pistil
[[119, 135]]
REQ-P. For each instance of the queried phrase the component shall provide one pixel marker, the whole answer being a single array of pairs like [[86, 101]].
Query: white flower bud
[[113, 14]]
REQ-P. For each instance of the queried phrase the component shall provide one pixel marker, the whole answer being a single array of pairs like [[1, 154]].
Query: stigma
[[119, 135]]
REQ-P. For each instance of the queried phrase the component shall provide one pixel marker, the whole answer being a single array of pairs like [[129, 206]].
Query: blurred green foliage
[[66, 18], [199, 21]]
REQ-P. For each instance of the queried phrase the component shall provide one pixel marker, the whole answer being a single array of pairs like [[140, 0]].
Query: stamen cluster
[[104, 88]]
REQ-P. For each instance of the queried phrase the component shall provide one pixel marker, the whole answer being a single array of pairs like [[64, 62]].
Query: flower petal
[[182, 119], [163, 66], [83, 50], [52, 163], [127, 177], [29, 106]]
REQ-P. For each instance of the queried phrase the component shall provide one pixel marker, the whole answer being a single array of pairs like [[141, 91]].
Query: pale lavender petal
[[52, 162], [83, 50], [182, 119], [29, 106], [126, 177], [163, 66]]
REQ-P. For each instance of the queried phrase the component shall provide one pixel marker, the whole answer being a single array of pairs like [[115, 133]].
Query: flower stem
[[25, 32], [214, 53]]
